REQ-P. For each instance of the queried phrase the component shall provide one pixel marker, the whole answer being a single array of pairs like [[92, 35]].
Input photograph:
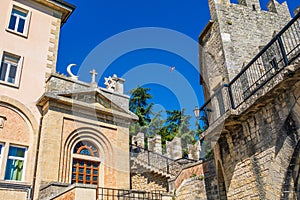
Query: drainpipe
[[36, 157]]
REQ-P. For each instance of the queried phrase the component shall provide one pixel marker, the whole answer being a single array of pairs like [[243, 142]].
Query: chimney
[[119, 87]]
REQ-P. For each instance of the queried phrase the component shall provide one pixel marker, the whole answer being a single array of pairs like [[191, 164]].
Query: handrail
[[266, 47], [158, 161], [280, 52], [271, 60], [113, 193]]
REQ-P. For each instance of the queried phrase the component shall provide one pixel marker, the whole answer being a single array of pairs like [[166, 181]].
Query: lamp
[[196, 112]]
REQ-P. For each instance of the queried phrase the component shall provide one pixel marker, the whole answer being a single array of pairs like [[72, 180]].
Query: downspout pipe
[[36, 157]]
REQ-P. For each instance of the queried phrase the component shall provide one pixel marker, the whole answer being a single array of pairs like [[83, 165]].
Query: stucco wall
[[38, 50]]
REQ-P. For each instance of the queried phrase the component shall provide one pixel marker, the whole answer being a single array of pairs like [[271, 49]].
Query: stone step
[[151, 168]]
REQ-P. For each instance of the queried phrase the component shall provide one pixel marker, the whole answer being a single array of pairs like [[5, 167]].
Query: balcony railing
[[281, 51], [121, 194], [157, 161]]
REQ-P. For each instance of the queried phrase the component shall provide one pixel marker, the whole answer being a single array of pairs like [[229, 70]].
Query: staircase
[[142, 159]]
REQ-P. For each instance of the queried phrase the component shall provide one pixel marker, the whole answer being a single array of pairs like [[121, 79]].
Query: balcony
[[271, 66]]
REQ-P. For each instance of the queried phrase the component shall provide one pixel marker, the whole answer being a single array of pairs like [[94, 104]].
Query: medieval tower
[[250, 75]]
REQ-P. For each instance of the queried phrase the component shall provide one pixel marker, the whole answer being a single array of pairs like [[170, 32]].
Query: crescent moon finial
[[70, 72]]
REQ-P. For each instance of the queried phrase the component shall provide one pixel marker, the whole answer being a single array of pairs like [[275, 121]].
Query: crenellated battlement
[[273, 5], [174, 147], [276, 7], [234, 35], [254, 4]]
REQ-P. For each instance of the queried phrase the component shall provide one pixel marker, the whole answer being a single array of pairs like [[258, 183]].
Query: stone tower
[[254, 117], [233, 36]]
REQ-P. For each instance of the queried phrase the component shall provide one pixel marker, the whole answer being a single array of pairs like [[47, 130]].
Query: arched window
[[85, 167], [86, 148]]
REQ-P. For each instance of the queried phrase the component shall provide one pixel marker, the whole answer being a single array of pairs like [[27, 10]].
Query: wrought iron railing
[[157, 161], [281, 51], [214, 107], [121, 194]]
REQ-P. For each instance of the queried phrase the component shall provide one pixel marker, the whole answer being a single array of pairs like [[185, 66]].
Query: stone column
[[138, 140], [174, 148], [194, 151], [154, 144]]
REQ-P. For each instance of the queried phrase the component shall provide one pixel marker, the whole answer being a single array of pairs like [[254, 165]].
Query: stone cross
[[94, 74]]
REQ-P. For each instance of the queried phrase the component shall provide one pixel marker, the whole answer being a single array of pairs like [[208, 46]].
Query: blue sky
[[139, 41]]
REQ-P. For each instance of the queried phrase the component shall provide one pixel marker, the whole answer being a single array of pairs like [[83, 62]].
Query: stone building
[[250, 74], [60, 138]]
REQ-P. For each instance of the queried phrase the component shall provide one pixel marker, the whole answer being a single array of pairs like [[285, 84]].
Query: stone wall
[[148, 182], [211, 179], [234, 36], [13, 195], [52, 189], [196, 181], [256, 155], [192, 189], [67, 196], [191, 170]]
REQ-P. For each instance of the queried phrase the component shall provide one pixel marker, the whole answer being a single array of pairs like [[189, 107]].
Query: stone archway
[[221, 183]]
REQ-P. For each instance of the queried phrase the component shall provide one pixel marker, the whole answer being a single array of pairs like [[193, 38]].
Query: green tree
[[138, 104], [173, 121], [156, 124], [185, 133], [170, 128], [178, 124]]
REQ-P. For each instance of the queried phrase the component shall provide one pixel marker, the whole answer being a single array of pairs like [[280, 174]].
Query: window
[[85, 172], [18, 20], [15, 163], [85, 169], [1, 147], [86, 148], [10, 66]]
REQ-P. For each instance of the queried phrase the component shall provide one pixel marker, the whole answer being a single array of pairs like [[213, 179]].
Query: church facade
[[60, 138]]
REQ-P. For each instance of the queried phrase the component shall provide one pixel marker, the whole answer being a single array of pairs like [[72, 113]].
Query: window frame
[[86, 159], [18, 71], [26, 24], [1, 154], [87, 165], [14, 158]]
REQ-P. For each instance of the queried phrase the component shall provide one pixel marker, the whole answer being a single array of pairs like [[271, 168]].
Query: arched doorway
[[85, 163]]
